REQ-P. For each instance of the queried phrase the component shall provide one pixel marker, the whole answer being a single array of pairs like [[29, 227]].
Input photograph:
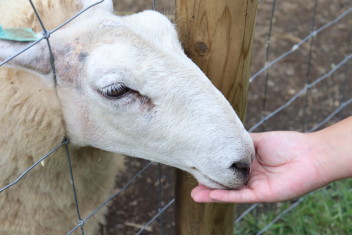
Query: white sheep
[[124, 85]]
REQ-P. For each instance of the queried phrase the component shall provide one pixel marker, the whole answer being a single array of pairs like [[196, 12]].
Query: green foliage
[[326, 211]]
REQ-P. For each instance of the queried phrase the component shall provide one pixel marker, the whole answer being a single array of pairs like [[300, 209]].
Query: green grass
[[326, 211]]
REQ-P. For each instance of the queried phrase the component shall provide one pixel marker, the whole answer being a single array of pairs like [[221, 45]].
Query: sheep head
[[126, 86]]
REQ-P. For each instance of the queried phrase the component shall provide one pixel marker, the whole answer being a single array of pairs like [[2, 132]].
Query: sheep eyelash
[[115, 91]]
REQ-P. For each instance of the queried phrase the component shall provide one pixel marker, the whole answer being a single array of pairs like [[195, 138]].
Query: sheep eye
[[115, 91]]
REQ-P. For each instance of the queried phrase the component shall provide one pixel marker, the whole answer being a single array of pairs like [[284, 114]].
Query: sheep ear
[[105, 4], [36, 59]]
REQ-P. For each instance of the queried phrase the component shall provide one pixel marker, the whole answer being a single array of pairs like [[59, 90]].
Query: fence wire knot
[[81, 222], [65, 141], [46, 34]]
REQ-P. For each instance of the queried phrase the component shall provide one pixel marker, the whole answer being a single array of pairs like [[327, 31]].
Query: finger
[[199, 188], [256, 137], [245, 195], [201, 194]]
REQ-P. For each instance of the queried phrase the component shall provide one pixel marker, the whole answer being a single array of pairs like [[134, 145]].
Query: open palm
[[285, 168]]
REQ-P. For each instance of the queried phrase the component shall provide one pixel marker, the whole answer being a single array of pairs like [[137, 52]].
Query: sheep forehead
[[140, 65], [128, 42], [146, 30], [149, 25], [143, 43]]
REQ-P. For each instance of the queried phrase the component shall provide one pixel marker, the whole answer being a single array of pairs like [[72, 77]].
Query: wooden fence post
[[218, 36]]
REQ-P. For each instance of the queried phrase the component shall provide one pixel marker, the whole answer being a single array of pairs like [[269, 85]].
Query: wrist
[[319, 153], [331, 155]]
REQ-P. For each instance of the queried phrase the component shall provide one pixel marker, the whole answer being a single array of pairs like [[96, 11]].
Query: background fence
[[301, 81]]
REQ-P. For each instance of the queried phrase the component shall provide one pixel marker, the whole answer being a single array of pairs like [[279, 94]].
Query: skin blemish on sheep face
[[146, 104], [82, 56]]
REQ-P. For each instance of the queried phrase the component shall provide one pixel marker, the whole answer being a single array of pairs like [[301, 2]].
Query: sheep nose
[[241, 167]]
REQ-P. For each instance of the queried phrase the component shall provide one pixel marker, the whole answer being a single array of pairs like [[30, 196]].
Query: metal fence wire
[[262, 75], [65, 143]]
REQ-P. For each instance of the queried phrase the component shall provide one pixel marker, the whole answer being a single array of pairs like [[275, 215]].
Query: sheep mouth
[[197, 172]]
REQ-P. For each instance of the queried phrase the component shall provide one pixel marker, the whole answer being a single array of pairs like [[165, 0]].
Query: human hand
[[286, 166]]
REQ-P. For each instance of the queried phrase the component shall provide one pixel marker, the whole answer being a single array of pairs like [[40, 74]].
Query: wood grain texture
[[218, 36]]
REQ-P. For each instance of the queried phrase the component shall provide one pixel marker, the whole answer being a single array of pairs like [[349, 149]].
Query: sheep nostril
[[241, 167]]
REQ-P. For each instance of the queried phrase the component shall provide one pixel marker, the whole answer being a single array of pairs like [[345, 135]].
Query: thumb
[[257, 137]]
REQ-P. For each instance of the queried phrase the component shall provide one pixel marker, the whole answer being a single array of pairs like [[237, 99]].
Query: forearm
[[333, 150]]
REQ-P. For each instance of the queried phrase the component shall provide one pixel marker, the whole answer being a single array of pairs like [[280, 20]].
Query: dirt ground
[[291, 23]]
